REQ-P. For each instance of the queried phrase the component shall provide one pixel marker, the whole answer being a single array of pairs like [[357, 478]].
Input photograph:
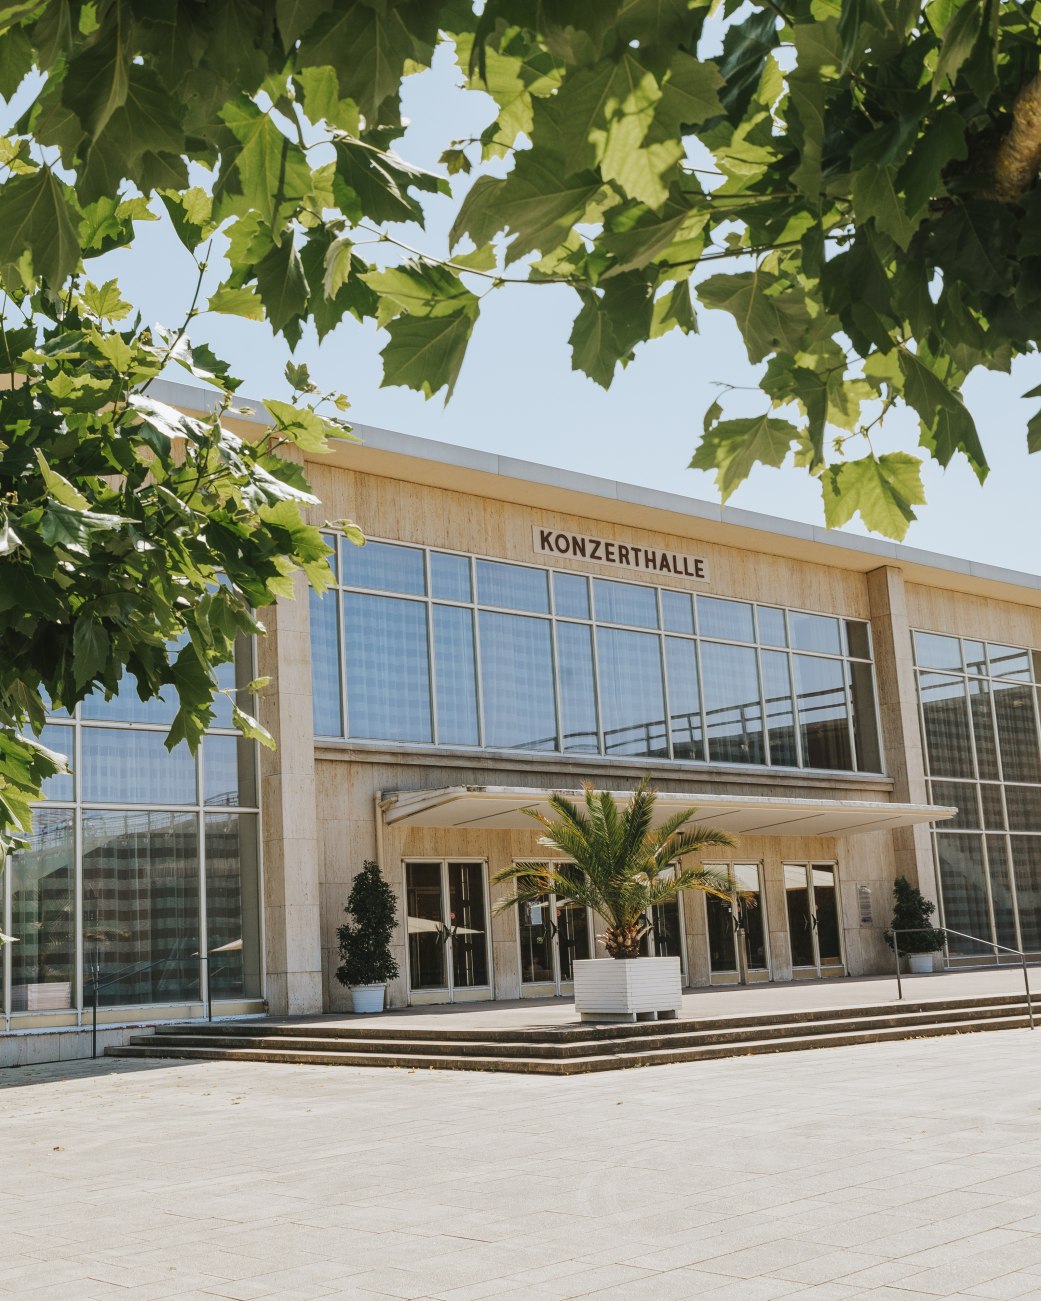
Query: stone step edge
[[573, 1066]]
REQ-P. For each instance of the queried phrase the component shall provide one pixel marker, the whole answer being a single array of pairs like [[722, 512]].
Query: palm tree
[[619, 866]]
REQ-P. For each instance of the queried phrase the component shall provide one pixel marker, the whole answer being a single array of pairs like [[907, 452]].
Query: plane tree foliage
[[852, 182]]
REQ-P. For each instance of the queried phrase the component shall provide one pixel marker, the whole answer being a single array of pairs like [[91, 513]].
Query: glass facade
[[141, 862], [982, 740], [433, 647]]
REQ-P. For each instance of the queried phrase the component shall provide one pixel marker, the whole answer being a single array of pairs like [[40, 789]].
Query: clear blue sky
[[518, 394]]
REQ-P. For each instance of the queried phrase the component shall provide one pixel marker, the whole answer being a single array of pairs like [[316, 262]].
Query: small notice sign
[[867, 917]]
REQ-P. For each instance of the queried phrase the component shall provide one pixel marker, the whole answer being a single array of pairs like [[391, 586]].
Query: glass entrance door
[[665, 938], [553, 934], [447, 919], [737, 928], [811, 899]]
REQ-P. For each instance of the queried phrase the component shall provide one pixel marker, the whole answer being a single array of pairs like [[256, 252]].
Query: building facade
[[847, 709]]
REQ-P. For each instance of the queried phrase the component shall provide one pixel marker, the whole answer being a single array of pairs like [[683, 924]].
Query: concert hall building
[[848, 709]]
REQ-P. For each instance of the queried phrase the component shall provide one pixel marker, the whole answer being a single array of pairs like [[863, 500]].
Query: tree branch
[[1019, 155]]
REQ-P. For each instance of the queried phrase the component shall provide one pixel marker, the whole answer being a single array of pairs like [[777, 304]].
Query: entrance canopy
[[501, 808]]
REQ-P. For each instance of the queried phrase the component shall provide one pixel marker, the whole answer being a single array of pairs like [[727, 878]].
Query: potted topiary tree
[[366, 962], [620, 867], [917, 937]]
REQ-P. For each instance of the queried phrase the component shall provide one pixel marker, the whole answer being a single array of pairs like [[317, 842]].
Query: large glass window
[[325, 664], [552, 660], [43, 915]]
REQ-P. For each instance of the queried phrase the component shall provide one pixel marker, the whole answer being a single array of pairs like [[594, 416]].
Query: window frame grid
[[591, 621]]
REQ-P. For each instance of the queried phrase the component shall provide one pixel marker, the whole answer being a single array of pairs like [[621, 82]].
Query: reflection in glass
[[858, 639], [1023, 804], [935, 652], [1009, 662], [577, 688], [230, 767], [780, 710], [449, 577], [232, 905], [1026, 868], [141, 904], [571, 595], [625, 603], [961, 796], [517, 676], [1017, 731], [823, 716], [384, 568], [325, 665], [124, 767], [983, 729], [666, 930], [536, 942], [826, 909], [631, 692], [126, 706], [43, 915], [677, 612], [469, 928], [772, 631], [62, 741], [865, 722], [426, 928], [727, 620], [1001, 893], [514, 587], [733, 713], [993, 807], [684, 707], [573, 936], [721, 951], [388, 671], [964, 889], [815, 632], [975, 657], [800, 916], [752, 915], [455, 675]]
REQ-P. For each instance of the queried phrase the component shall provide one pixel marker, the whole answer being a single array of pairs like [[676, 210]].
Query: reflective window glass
[[1001, 892], [62, 740], [127, 707], [1017, 731], [1026, 870], [43, 915], [331, 541], [733, 713], [450, 577], [326, 705], [815, 632], [935, 652], [993, 807], [961, 796], [513, 587], [232, 677], [455, 675], [229, 764], [1024, 808], [858, 639], [232, 905], [772, 630], [677, 612], [780, 708], [625, 603], [865, 720], [577, 687], [975, 656], [1009, 662], [964, 888], [751, 914], [983, 729], [141, 905], [684, 698], [517, 675], [631, 697], [571, 596], [728, 620], [823, 717], [388, 671], [125, 767], [384, 567], [946, 721]]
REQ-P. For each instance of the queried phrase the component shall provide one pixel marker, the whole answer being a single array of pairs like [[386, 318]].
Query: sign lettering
[[651, 560]]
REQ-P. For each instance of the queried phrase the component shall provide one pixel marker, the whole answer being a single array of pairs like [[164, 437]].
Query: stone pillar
[[901, 731], [292, 923]]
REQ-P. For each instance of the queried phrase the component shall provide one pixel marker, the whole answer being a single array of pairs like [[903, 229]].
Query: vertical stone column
[[901, 732], [292, 924]]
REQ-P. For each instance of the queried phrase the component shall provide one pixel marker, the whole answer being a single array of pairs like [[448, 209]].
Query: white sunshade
[[501, 808]]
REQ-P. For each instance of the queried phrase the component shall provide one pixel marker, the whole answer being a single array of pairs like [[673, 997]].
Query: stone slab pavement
[[900, 1170]]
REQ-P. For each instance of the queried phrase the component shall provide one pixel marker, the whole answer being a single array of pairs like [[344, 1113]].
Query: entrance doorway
[[737, 929], [553, 934], [665, 938], [812, 903], [446, 905]]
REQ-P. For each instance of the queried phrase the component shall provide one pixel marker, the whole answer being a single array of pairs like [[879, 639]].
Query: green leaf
[[732, 448], [674, 310], [59, 487], [282, 285], [244, 301], [301, 426], [249, 727], [875, 198], [419, 288], [98, 80], [35, 215], [105, 301], [769, 316], [90, 649], [947, 426], [426, 352], [297, 17], [882, 489], [959, 36]]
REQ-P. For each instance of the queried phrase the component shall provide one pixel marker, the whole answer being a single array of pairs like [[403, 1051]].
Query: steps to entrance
[[573, 1049]]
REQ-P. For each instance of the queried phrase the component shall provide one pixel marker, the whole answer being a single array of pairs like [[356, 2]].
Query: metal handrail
[[976, 939]]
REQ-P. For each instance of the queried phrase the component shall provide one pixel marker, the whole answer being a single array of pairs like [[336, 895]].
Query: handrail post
[[1026, 982], [896, 951]]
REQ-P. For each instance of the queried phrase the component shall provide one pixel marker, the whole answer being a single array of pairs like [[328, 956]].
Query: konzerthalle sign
[[579, 546]]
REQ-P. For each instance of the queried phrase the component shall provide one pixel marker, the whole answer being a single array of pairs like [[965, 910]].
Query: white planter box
[[920, 963], [367, 998], [628, 989]]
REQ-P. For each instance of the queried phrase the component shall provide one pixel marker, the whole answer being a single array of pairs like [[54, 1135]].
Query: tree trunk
[[623, 941], [1019, 154]]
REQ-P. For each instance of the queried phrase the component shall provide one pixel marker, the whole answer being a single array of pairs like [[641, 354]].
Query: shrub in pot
[[366, 962], [917, 937], [621, 866]]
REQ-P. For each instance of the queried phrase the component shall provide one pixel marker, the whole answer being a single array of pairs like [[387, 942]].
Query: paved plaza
[[894, 1170]]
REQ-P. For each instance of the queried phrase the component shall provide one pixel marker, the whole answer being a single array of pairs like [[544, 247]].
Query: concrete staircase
[[573, 1049]]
